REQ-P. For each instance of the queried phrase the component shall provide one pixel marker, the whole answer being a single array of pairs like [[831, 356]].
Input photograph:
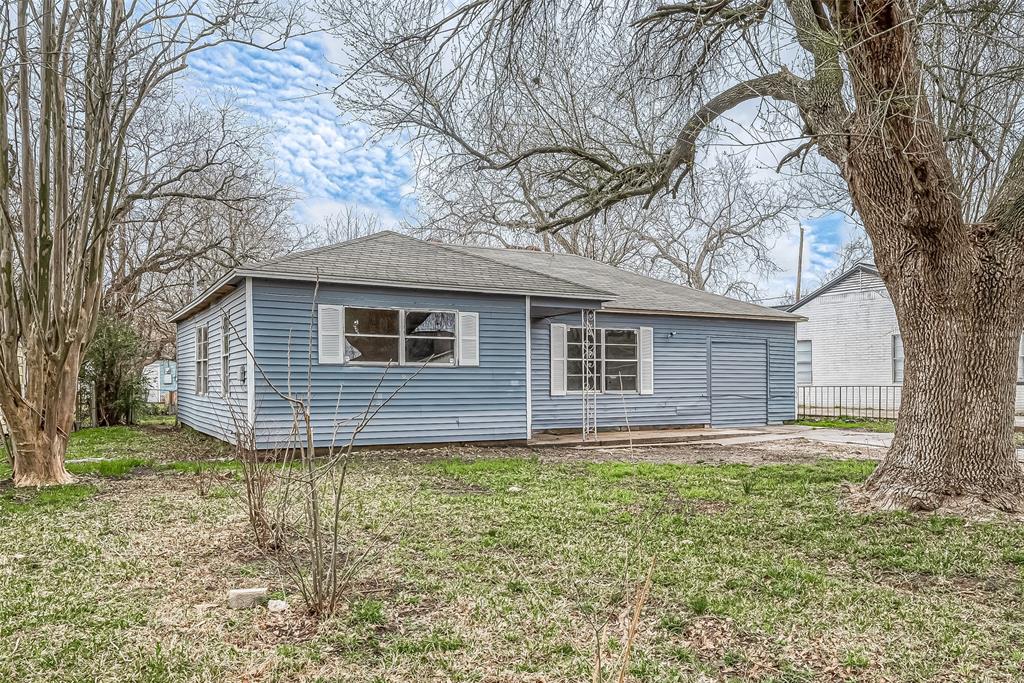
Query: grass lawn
[[850, 423], [498, 568]]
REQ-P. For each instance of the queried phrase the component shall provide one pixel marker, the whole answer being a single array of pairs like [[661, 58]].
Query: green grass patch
[[199, 466], [112, 442], [842, 422], [118, 467], [157, 420], [49, 499], [116, 451], [509, 565]]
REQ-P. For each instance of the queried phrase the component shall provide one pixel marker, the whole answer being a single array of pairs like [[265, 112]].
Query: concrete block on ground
[[246, 598]]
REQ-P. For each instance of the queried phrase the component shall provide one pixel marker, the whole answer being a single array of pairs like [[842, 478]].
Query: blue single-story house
[[161, 381], [488, 344]]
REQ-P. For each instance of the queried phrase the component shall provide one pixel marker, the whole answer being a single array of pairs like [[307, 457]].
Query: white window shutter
[[469, 339], [558, 334], [646, 360], [329, 330]]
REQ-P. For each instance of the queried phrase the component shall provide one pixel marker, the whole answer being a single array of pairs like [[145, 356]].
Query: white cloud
[[325, 156]]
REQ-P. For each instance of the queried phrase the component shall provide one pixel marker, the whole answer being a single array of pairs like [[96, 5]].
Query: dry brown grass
[[499, 567]]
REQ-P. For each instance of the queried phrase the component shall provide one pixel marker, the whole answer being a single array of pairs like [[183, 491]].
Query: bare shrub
[[259, 478], [323, 557], [296, 496], [200, 452]]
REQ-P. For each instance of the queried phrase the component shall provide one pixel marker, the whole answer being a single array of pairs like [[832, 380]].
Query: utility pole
[[800, 264]]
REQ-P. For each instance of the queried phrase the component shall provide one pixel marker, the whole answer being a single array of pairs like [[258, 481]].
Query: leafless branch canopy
[[616, 102], [83, 84]]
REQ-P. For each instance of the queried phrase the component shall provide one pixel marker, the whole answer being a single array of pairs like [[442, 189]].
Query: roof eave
[[204, 299], [859, 268], [592, 295], [782, 318]]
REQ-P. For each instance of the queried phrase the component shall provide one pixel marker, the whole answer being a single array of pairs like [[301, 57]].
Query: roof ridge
[[620, 271], [607, 265], [462, 250], [859, 266], [317, 250]]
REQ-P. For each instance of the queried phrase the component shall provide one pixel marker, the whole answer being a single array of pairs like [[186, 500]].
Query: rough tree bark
[[40, 420], [955, 286], [954, 436]]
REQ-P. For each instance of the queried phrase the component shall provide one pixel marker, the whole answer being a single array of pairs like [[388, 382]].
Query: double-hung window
[[804, 357], [1020, 362], [372, 335], [225, 355], [202, 359], [621, 363], [403, 337], [897, 359], [613, 364]]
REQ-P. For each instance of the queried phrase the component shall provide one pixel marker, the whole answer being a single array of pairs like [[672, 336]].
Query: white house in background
[[162, 380], [849, 350]]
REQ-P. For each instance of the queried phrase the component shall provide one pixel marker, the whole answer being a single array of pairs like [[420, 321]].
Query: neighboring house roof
[[633, 292], [390, 259], [861, 267]]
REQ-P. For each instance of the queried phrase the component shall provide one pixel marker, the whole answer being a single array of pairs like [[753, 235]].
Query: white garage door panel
[[739, 383]]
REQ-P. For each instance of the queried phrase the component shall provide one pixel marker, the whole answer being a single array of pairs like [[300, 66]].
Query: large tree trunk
[[39, 457], [41, 417], [954, 438]]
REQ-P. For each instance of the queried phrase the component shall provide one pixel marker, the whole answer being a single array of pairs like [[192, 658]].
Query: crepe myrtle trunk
[[40, 419], [954, 438]]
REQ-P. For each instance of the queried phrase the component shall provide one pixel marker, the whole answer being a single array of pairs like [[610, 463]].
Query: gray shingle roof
[[633, 292], [392, 259]]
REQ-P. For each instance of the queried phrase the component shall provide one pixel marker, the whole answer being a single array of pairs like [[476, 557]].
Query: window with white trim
[[430, 337], [225, 355], [616, 363], [897, 359], [374, 336], [202, 359], [804, 356], [1020, 362]]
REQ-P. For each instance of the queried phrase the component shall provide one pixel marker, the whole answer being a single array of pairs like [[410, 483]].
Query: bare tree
[[78, 79], [347, 224], [852, 252], [462, 206], [167, 250], [717, 236], [721, 223], [894, 94]]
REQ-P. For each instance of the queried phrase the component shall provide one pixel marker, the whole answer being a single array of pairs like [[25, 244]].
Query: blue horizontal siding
[[440, 404], [681, 372], [444, 404], [214, 413]]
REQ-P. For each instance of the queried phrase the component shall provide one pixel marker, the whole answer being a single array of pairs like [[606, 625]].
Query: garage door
[[739, 383]]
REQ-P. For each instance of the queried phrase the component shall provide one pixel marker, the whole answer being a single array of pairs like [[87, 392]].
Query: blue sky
[[329, 158], [319, 152]]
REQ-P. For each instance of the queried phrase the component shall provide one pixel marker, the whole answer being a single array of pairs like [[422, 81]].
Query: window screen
[[615, 362]]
